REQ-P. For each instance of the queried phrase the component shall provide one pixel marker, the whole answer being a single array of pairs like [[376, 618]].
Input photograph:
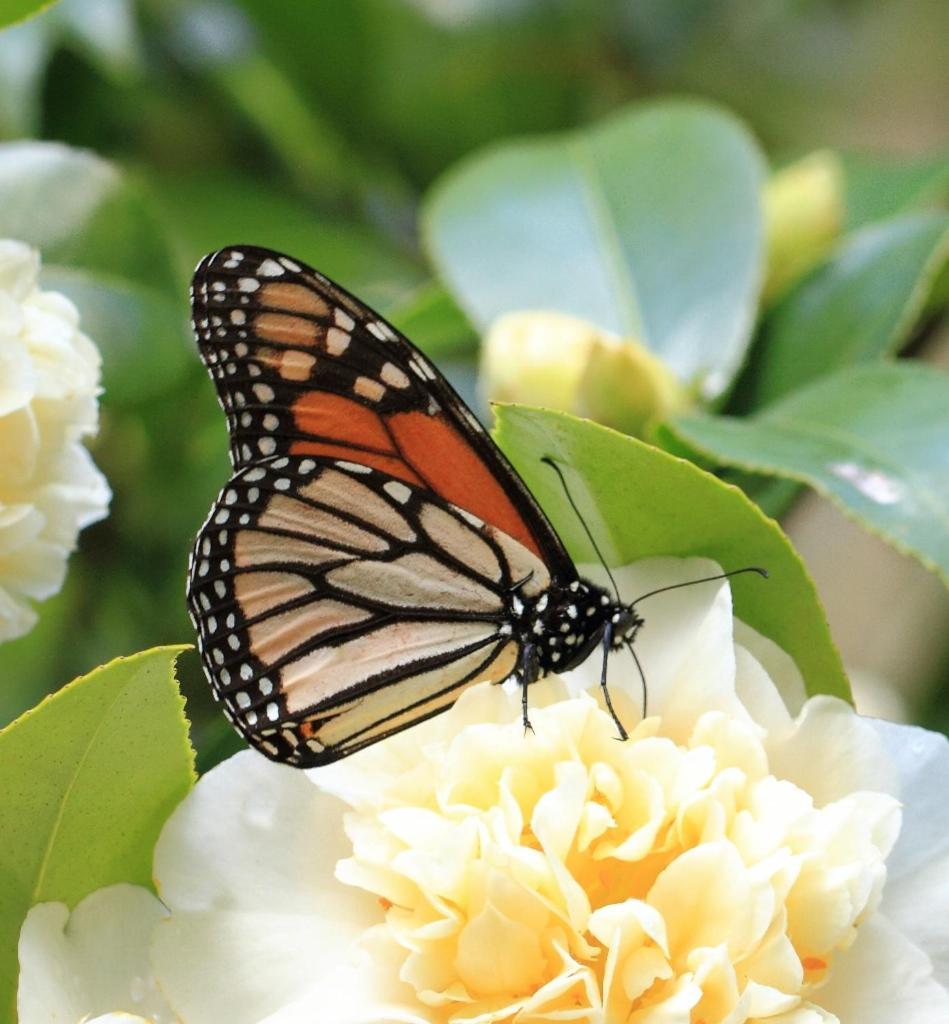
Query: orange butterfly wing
[[304, 368]]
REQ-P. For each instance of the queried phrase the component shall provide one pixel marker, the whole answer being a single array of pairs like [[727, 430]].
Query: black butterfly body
[[374, 552]]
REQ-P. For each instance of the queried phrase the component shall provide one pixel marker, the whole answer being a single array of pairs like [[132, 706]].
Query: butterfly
[[374, 552]]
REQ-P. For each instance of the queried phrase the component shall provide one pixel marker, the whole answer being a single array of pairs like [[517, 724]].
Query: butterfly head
[[626, 623]]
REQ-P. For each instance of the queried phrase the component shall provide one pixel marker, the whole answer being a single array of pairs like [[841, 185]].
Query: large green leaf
[[648, 225], [424, 87], [873, 439], [81, 211], [24, 55], [880, 186], [431, 319], [639, 501], [88, 778], [141, 333], [102, 31], [858, 307], [12, 11], [208, 211]]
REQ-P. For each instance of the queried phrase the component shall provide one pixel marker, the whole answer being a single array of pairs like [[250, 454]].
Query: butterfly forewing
[[303, 368], [317, 587]]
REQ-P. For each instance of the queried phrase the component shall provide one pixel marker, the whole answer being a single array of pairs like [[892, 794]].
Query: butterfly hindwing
[[336, 603], [304, 368]]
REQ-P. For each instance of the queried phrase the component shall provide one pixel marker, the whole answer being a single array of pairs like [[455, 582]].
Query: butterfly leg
[[526, 674], [607, 647]]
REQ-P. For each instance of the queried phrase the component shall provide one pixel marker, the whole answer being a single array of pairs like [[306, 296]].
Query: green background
[[367, 137]]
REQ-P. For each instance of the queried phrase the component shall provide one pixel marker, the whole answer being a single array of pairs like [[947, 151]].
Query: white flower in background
[[49, 487], [91, 965], [733, 862]]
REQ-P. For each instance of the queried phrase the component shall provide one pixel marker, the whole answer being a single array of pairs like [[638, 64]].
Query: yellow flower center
[[564, 875]]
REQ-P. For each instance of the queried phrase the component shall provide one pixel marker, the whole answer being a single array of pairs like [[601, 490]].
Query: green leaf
[[13, 11], [873, 439], [639, 501], [648, 225], [106, 33], [860, 306], [400, 83], [80, 211], [209, 211], [88, 778], [142, 334], [879, 186], [25, 51], [430, 318]]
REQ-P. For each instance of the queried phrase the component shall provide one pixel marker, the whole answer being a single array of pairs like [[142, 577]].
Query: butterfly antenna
[[586, 529], [704, 579]]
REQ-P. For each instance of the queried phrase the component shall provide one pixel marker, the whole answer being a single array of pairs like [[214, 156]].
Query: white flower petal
[[830, 751], [246, 865], [227, 965], [245, 836], [49, 385], [93, 961], [921, 759], [916, 898], [883, 979], [117, 1018], [778, 667], [758, 694], [19, 268]]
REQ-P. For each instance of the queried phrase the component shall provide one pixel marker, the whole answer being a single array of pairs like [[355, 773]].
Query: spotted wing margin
[[336, 605], [304, 368]]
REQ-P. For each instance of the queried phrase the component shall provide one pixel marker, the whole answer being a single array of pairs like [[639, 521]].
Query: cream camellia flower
[[91, 966], [49, 487], [729, 863]]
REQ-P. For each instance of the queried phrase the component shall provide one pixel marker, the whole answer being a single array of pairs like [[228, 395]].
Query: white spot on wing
[[270, 268], [248, 284], [337, 341], [396, 489], [391, 374], [343, 319], [469, 516]]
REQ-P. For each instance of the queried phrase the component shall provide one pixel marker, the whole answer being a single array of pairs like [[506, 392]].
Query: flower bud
[[625, 386], [561, 362], [804, 214], [536, 358]]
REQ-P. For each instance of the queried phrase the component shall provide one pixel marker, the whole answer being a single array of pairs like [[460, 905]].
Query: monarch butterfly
[[374, 552]]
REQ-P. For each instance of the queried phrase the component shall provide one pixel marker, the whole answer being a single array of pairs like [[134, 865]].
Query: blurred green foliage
[[141, 135]]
